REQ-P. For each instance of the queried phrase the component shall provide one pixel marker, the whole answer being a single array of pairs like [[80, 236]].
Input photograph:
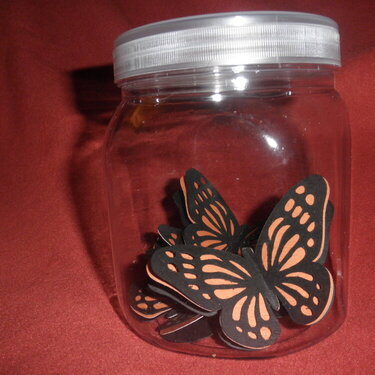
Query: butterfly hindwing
[[143, 302], [213, 223], [307, 294], [252, 318], [292, 248], [145, 305], [219, 281]]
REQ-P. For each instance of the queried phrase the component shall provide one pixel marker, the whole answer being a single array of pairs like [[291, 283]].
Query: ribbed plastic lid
[[227, 39]]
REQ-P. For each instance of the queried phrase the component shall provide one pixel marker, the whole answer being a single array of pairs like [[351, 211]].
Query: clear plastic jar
[[252, 125]]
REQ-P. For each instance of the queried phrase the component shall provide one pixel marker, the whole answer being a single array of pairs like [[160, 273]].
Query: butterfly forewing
[[299, 220], [172, 236], [198, 274], [215, 281], [293, 246], [213, 223]]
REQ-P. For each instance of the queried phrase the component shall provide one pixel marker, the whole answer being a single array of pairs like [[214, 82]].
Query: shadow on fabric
[[96, 98]]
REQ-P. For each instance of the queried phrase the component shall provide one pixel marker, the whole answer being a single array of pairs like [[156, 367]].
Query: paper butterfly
[[213, 223], [209, 223], [286, 267]]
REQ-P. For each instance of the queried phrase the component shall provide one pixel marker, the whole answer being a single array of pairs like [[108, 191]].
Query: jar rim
[[227, 39]]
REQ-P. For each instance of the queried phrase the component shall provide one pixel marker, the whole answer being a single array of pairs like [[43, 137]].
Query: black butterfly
[[209, 223], [213, 223], [286, 267]]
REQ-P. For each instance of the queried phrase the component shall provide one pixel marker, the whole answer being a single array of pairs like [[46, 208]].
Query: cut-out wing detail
[[172, 236], [143, 302], [292, 248], [219, 281], [306, 294], [250, 323], [145, 305], [213, 223]]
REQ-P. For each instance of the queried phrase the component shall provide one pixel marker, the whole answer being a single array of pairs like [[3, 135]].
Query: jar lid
[[227, 39]]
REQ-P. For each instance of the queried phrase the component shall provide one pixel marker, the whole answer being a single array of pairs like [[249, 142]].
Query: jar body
[[254, 132]]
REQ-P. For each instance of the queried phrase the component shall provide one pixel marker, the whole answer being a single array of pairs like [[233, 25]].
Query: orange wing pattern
[[213, 223], [286, 266], [172, 236], [222, 282], [145, 305], [293, 246]]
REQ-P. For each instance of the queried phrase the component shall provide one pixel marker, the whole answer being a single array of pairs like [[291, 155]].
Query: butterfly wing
[[145, 305], [292, 248], [307, 294], [213, 223], [143, 302], [179, 200], [219, 281], [250, 323], [172, 236]]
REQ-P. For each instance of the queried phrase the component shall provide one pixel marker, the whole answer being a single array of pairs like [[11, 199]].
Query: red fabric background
[[55, 272]]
